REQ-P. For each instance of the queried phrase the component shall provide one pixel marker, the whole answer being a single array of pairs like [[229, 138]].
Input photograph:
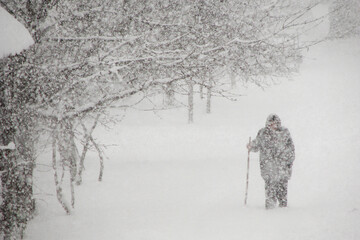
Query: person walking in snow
[[277, 154]]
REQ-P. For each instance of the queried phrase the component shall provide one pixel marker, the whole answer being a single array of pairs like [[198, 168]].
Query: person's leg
[[270, 194], [281, 193]]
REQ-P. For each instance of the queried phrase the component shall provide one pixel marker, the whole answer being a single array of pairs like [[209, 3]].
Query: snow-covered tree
[[90, 54], [256, 40], [18, 124]]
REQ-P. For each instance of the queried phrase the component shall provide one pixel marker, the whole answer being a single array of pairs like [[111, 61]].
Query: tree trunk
[[17, 166], [85, 149], [10, 207], [59, 193], [170, 94], [208, 97], [201, 90], [101, 158], [191, 101], [68, 153], [233, 80]]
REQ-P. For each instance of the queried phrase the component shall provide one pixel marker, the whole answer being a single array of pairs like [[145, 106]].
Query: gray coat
[[277, 151]]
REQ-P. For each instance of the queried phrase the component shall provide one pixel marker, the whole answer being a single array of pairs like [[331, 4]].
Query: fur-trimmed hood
[[273, 118]]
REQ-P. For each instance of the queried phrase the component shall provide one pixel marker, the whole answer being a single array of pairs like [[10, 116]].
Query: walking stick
[[247, 173]]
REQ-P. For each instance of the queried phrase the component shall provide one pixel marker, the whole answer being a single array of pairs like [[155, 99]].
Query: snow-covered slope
[[165, 179], [14, 37]]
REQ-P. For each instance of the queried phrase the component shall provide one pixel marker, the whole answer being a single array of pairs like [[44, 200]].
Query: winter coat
[[277, 151]]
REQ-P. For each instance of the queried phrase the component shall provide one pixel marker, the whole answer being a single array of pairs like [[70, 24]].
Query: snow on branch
[[89, 107], [157, 44], [89, 38]]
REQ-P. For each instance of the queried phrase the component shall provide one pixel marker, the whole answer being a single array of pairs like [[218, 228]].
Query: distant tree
[[256, 41], [344, 18]]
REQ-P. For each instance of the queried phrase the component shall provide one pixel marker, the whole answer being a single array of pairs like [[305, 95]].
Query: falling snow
[[130, 120]]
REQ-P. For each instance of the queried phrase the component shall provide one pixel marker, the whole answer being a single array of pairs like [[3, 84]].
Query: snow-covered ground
[[165, 179]]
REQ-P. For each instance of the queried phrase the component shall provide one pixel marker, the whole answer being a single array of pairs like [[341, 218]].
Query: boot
[[283, 203], [270, 203]]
